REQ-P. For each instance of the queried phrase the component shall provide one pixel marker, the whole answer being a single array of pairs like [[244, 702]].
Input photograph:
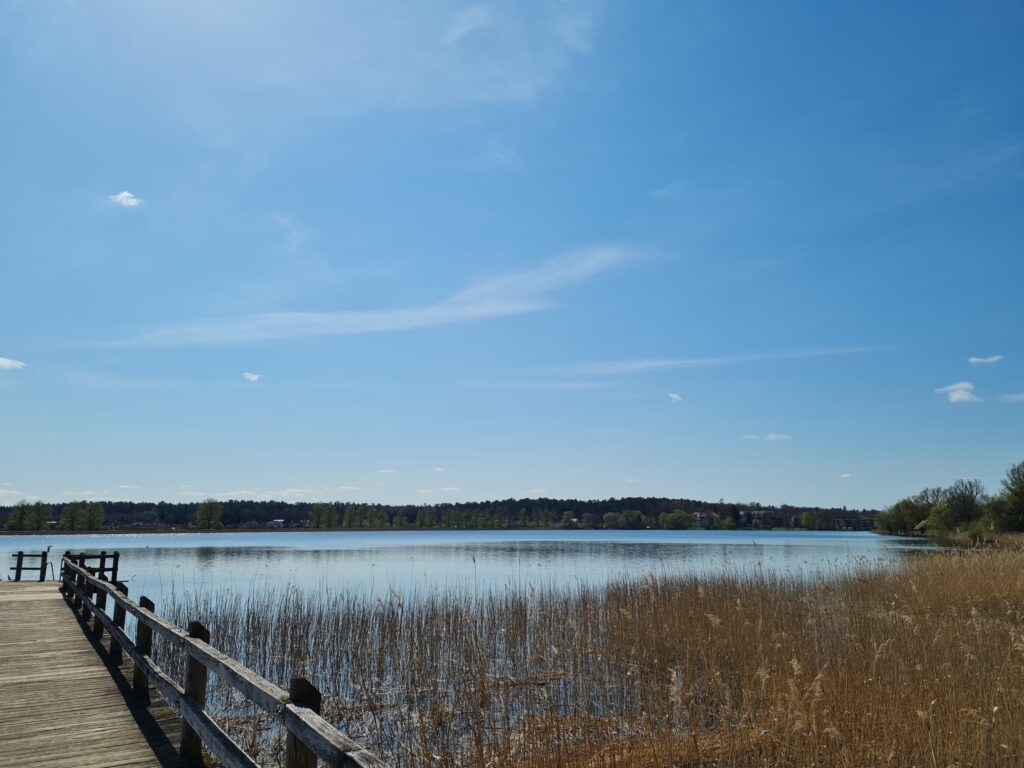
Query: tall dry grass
[[913, 665]]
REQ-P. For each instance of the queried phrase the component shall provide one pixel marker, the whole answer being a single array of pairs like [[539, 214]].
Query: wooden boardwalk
[[62, 703]]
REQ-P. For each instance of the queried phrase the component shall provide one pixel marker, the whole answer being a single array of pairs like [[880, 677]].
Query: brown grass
[[913, 665]]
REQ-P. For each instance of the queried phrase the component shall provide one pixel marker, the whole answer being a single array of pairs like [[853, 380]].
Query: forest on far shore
[[540, 513]]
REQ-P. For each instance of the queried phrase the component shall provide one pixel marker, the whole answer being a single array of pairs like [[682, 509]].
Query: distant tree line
[[617, 514], [962, 507], [70, 517]]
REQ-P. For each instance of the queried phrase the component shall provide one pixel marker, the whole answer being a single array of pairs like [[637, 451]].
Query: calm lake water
[[421, 562]]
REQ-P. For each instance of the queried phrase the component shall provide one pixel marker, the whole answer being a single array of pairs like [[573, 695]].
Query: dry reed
[[918, 664]]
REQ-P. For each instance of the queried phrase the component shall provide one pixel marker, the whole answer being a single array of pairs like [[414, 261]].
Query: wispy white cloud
[[9, 493], [1013, 398], [777, 438], [509, 294], [617, 367], [128, 487], [535, 491], [750, 437], [984, 360], [253, 377], [450, 488], [845, 476], [127, 200], [253, 67], [675, 398], [439, 469], [347, 488], [6, 364], [468, 20], [960, 392], [387, 471]]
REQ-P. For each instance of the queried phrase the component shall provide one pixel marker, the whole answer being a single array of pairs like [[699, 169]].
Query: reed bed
[[918, 664]]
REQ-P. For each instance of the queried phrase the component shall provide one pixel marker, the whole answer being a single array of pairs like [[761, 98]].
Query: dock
[[77, 691], [63, 702]]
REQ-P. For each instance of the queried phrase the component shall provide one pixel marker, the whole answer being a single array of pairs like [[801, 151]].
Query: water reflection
[[408, 562]]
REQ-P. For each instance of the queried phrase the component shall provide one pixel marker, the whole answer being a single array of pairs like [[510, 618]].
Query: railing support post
[[80, 583], [302, 693], [144, 644], [19, 560], [100, 601], [42, 566], [90, 592], [119, 614], [65, 576], [195, 687]]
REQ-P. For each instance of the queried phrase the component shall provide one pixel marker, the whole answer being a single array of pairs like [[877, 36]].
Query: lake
[[375, 563]]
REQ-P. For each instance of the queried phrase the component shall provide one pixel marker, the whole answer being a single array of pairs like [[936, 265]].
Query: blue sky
[[444, 251]]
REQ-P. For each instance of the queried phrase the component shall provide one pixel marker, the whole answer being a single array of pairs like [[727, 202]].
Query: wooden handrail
[[20, 567], [302, 723]]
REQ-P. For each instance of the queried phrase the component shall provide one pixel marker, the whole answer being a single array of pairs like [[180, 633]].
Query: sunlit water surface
[[416, 563]]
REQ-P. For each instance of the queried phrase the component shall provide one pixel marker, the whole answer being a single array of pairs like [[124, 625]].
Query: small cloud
[[534, 491], [127, 200], [1015, 398], [439, 469], [960, 392], [777, 438], [984, 360], [9, 484], [674, 397], [450, 488], [128, 487], [749, 437], [348, 488], [632, 480], [387, 471], [4, 492], [6, 364], [845, 476], [253, 377], [468, 20]]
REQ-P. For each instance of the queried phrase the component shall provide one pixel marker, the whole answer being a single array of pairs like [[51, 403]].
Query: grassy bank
[[921, 664]]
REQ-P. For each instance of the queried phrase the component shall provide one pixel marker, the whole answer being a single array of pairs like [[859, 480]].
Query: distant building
[[277, 523]]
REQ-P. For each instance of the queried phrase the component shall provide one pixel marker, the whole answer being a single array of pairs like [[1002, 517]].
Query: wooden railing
[[308, 735], [106, 566], [20, 567]]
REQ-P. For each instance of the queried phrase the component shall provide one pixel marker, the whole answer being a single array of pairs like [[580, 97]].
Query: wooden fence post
[[100, 601], [19, 560], [117, 558], [80, 583], [119, 615], [64, 576], [42, 566], [87, 591], [195, 687], [144, 644], [302, 693]]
